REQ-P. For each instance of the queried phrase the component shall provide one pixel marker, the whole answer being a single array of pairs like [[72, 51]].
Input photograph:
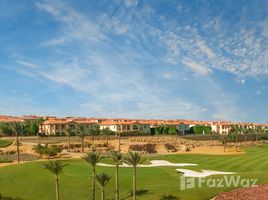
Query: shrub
[[264, 137], [5, 143], [200, 129], [47, 151], [5, 160]]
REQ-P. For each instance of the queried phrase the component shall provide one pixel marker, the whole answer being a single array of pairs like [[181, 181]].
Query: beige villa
[[121, 126], [60, 126]]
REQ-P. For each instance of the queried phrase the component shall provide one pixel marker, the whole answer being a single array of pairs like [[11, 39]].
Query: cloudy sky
[[141, 59]]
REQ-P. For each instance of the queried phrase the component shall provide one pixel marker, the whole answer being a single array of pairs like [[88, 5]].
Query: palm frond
[[134, 159], [117, 157], [103, 179], [55, 166], [92, 158]]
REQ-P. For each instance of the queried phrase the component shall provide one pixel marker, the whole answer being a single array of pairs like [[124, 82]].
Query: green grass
[[31, 181], [5, 143]]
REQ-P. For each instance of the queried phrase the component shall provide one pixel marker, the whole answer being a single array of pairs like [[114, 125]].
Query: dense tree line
[[164, 130], [28, 127]]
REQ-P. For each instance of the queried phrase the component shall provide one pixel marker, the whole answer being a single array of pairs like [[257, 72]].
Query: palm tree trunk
[[93, 141], [119, 142], [93, 183], [57, 188], [236, 142], [246, 139], [102, 194], [117, 182], [107, 142], [18, 148], [210, 140], [134, 184], [69, 142], [82, 144]]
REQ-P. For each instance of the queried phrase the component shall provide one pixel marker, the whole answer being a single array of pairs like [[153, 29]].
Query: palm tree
[[102, 180], [134, 159], [235, 132], [94, 130], [246, 131], [92, 159], [56, 167], [69, 131], [82, 134], [119, 141], [211, 138], [15, 128], [224, 140], [106, 132], [117, 158]]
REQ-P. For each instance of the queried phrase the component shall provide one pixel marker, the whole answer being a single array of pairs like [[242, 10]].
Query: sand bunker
[[154, 163], [203, 173]]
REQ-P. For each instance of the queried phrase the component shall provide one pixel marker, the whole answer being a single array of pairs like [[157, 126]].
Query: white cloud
[[54, 42], [264, 25], [258, 92], [48, 8], [204, 48], [196, 67], [131, 3], [169, 75], [26, 63], [76, 26], [242, 81]]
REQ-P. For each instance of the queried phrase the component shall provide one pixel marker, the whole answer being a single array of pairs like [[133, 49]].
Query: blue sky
[[141, 59]]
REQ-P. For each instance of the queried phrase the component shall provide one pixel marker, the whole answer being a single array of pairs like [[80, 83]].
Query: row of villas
[[60, 126]]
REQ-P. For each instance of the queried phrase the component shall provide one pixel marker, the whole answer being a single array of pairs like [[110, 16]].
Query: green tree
[[92, 159], [56, 168], [134, 159], [5, 129], [200, 129], [159, 130], [117, 157], [31, 126], [102, 180], [172, 130]]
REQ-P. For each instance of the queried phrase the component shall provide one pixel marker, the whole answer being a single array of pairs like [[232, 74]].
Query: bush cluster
[[47, 151]]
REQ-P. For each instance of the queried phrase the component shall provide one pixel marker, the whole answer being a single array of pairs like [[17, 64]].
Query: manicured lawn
[[5, 143], [32, 182]]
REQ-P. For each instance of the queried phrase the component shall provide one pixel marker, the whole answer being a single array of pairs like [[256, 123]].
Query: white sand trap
[[204, 173], [154, 163]]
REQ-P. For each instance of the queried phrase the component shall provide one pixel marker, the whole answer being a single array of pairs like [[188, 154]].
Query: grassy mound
[[5, 143]]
